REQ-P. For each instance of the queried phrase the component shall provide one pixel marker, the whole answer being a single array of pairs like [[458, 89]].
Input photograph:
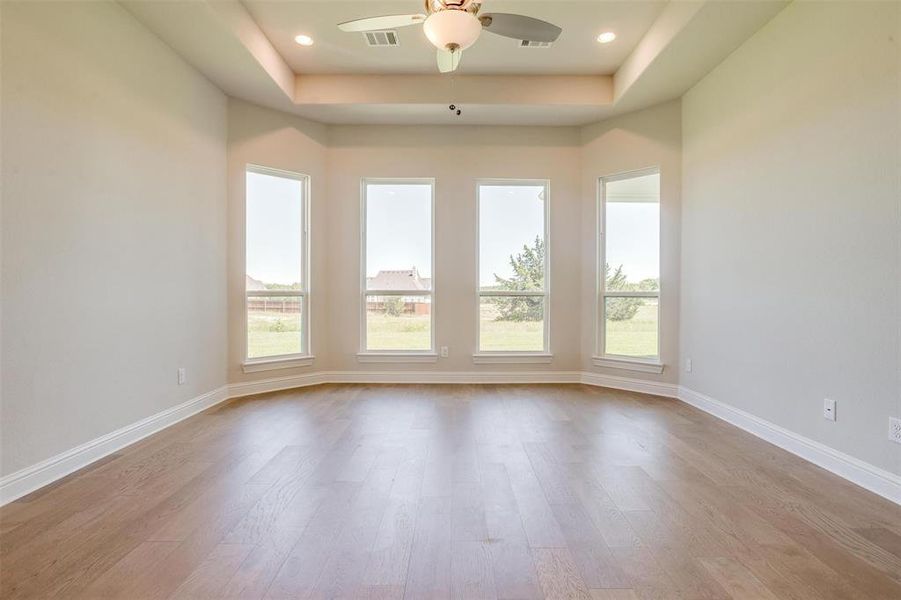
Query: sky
[[274, 225], [399, 227], [510, 217], [633, 226]]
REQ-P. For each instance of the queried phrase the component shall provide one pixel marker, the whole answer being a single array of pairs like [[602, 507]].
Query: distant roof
[[400, 280], [253, 284]]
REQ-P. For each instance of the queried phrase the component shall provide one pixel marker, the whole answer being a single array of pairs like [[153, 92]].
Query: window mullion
[[397, 293], [271, 293], [512, 293]]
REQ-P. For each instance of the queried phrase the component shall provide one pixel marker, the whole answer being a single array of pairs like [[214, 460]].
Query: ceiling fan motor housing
[[452, 29], [436, 5]]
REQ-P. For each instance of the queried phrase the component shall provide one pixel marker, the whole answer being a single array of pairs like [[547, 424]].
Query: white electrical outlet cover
[[894, 429], [829, 409]]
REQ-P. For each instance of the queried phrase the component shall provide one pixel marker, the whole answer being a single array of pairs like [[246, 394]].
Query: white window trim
[[395, 356], [652, 364], [628, 364], [257, 365], [304, 357], [514, 356]]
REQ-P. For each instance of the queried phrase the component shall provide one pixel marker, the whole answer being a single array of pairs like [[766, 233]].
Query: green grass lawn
[[508, 336], [636, 336], [272, 334], [411, 332], [275, 334], [405, 332]]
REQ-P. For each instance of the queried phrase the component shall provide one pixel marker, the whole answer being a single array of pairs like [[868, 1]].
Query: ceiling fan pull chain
[[453, 107]]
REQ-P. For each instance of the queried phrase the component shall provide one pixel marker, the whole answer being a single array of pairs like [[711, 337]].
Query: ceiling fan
[[454, 25]]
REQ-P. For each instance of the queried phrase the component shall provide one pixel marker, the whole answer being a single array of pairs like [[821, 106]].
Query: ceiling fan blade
[[449, 60], [520, 27], [383, 22]]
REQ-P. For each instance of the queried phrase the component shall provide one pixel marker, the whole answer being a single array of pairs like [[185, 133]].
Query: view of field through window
[[632, 266], [512, 257], [274, 264], [398, 248]]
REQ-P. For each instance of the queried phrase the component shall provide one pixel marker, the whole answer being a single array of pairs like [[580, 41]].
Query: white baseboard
[[669, 390], [867, 476], [453, 377], [22, 482], [29, 479], [655, 388], [284, 383], [275, 384], [25, 481]]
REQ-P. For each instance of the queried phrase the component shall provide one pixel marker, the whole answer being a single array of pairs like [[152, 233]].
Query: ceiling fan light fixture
[[606, 37], [452, 28]]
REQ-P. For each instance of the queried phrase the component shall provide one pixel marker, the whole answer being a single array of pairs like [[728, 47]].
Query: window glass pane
[[274, 232], [511, 323], [398, 236], [632, 234], [398, 323], [511, 237], [273, 326], [631, 327]]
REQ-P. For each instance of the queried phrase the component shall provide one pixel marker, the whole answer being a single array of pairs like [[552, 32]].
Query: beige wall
[[338, 157], [781, 223], [113, 251], [456, 157], [270, 138], [792, 226], [646, 138]]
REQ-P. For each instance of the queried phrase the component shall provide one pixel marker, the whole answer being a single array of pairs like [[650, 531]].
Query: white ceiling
[[247, 48], [576, 52]]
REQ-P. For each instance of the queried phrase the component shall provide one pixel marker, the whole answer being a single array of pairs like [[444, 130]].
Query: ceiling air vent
[[381, 38], [531, 44]]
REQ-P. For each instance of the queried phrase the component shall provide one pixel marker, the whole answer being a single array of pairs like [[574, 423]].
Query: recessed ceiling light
[[606, 37], [304, 40]]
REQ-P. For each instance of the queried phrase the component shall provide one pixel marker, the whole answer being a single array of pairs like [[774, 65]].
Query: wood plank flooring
[[471, 492]]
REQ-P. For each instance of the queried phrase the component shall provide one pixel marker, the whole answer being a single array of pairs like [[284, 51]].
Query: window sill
[[272, 364], [642, 366], [389, 357], [510, 358]]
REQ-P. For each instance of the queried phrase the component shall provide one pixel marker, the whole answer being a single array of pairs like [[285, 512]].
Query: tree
[[394, 306], [622, 309], [528, 275]]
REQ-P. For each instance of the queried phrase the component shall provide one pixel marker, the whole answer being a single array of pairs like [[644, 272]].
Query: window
[[513, 286], [276, 292], [629, 241], [397, 266]]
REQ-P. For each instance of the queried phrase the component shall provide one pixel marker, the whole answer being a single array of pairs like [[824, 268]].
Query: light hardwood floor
[[451, 491]]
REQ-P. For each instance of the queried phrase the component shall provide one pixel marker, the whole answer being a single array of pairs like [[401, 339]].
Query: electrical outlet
[[182, 376], [444, 352], [688, 365], [894, 429], [828, 409]]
